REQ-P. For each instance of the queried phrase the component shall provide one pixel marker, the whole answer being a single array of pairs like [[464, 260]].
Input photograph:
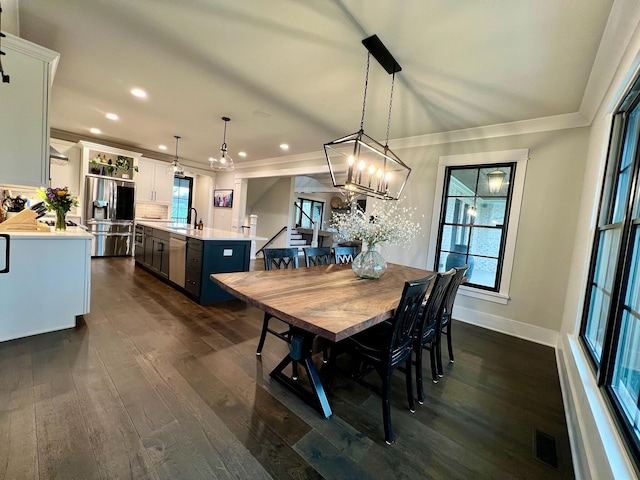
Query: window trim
[[520, 158]]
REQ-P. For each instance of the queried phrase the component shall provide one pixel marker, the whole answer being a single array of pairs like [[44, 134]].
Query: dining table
[[326, 301]]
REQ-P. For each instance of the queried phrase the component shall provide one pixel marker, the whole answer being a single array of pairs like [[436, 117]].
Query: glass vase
[[61, 220], [369, 263]]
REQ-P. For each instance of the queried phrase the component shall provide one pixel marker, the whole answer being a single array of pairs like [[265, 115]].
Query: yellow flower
[[62, 193]]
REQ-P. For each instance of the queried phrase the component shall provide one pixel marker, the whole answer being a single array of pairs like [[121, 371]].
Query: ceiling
[[292, 71]]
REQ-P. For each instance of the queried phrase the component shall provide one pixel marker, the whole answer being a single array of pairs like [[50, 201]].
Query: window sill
[[494, 297]]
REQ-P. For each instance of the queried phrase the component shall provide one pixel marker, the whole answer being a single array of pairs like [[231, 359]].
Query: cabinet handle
[[7, 256]]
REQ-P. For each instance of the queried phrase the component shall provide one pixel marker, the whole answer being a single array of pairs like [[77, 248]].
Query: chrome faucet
[[195, 217]]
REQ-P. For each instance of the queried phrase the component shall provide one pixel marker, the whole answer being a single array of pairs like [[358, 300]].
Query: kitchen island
[[47, 281], [184, 257]]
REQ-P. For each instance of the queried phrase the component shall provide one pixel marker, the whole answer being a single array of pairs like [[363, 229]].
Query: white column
[[314, 239], [253, 222]]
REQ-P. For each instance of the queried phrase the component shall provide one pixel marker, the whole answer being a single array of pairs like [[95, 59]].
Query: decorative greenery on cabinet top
[[122, 163]]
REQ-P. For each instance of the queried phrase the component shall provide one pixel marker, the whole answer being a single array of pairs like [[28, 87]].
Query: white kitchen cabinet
[[153, 183], [46, 282], [24, 112]]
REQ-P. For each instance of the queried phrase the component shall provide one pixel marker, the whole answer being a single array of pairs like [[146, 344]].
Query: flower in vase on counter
[[58, 200]]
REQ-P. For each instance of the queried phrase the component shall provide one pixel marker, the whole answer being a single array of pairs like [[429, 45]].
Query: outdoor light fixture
[[225, 162], [174, 167], [496, 180], [360, 165], [5, 78]]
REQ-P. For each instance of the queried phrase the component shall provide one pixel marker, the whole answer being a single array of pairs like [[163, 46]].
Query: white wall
[[273, 209], [203, 198], [222, 217], [598, 450]]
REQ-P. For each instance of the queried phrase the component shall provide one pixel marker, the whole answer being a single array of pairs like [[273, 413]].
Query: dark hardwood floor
[[152, 385]]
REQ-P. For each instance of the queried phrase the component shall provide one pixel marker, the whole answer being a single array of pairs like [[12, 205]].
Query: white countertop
[[70, 232], [204, 234]]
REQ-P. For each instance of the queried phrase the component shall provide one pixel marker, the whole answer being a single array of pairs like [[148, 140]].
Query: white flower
[[388, 221]]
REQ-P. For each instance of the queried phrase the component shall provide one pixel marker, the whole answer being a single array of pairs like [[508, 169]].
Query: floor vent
[[544, 448]]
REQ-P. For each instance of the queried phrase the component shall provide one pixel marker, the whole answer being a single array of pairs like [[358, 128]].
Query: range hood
[[58, 157]]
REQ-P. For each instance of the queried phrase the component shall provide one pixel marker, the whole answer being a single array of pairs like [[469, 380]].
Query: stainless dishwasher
[[177, 259]]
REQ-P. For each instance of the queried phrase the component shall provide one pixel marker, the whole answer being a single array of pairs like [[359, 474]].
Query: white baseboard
[[525, 331]]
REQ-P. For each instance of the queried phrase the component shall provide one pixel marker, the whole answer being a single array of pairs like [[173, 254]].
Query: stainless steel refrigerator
[[109, 212]]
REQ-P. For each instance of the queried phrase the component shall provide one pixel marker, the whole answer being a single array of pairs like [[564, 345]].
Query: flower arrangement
[[388, 221], [58, 200]]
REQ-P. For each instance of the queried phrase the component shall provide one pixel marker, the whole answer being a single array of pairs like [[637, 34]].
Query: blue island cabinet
[[205, 257]]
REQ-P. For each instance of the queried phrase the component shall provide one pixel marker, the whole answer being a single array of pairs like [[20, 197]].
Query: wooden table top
[[329, 301]]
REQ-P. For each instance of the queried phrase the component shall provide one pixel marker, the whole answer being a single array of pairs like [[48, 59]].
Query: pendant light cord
[[393, 81], [175, 160], [223, 148], [366, 84]]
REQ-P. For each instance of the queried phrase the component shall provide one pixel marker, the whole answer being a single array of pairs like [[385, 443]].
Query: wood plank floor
[[151, 385]]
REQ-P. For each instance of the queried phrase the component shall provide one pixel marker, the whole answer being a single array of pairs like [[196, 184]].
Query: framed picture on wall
[[223, 198]]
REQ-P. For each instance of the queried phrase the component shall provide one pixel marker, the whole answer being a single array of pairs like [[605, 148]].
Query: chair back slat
[[314, 257], [344, 254], [405, 319], [431, 316], [450, 297], [280, 258]]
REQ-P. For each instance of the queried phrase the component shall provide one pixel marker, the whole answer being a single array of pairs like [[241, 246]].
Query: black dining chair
[[447, 311], [344, 254], [277, 258], [315, 256], [387, 346], [427, 330]]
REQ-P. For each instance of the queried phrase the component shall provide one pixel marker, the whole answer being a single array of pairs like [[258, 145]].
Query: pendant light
[[174, 167], [224, 162], [496, 180], [360, 165]]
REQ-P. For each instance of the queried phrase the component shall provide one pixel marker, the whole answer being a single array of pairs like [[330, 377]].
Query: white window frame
[[520, 157]]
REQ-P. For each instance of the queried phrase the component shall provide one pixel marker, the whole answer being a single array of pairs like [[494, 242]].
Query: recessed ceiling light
[[242, 154], [95, 130], [162, 147], [137, 92], [284, 146], [112, 116]]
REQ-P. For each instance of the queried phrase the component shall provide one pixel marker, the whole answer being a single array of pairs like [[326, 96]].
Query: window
[[473, 224], [309, 211], [181, 199], [473, 227], [610, 329]]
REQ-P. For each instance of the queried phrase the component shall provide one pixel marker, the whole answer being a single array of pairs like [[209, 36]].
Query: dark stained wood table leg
[[301, 351]]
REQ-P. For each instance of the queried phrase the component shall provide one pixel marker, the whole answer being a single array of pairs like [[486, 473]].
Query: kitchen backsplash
[[152, 211]]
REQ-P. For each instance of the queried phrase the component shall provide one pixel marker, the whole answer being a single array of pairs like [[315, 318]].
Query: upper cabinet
[[24, 112], [153, 183]]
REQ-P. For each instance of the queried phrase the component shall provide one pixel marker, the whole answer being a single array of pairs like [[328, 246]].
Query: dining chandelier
[[360, 165], [174, 167], [225, 162]]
